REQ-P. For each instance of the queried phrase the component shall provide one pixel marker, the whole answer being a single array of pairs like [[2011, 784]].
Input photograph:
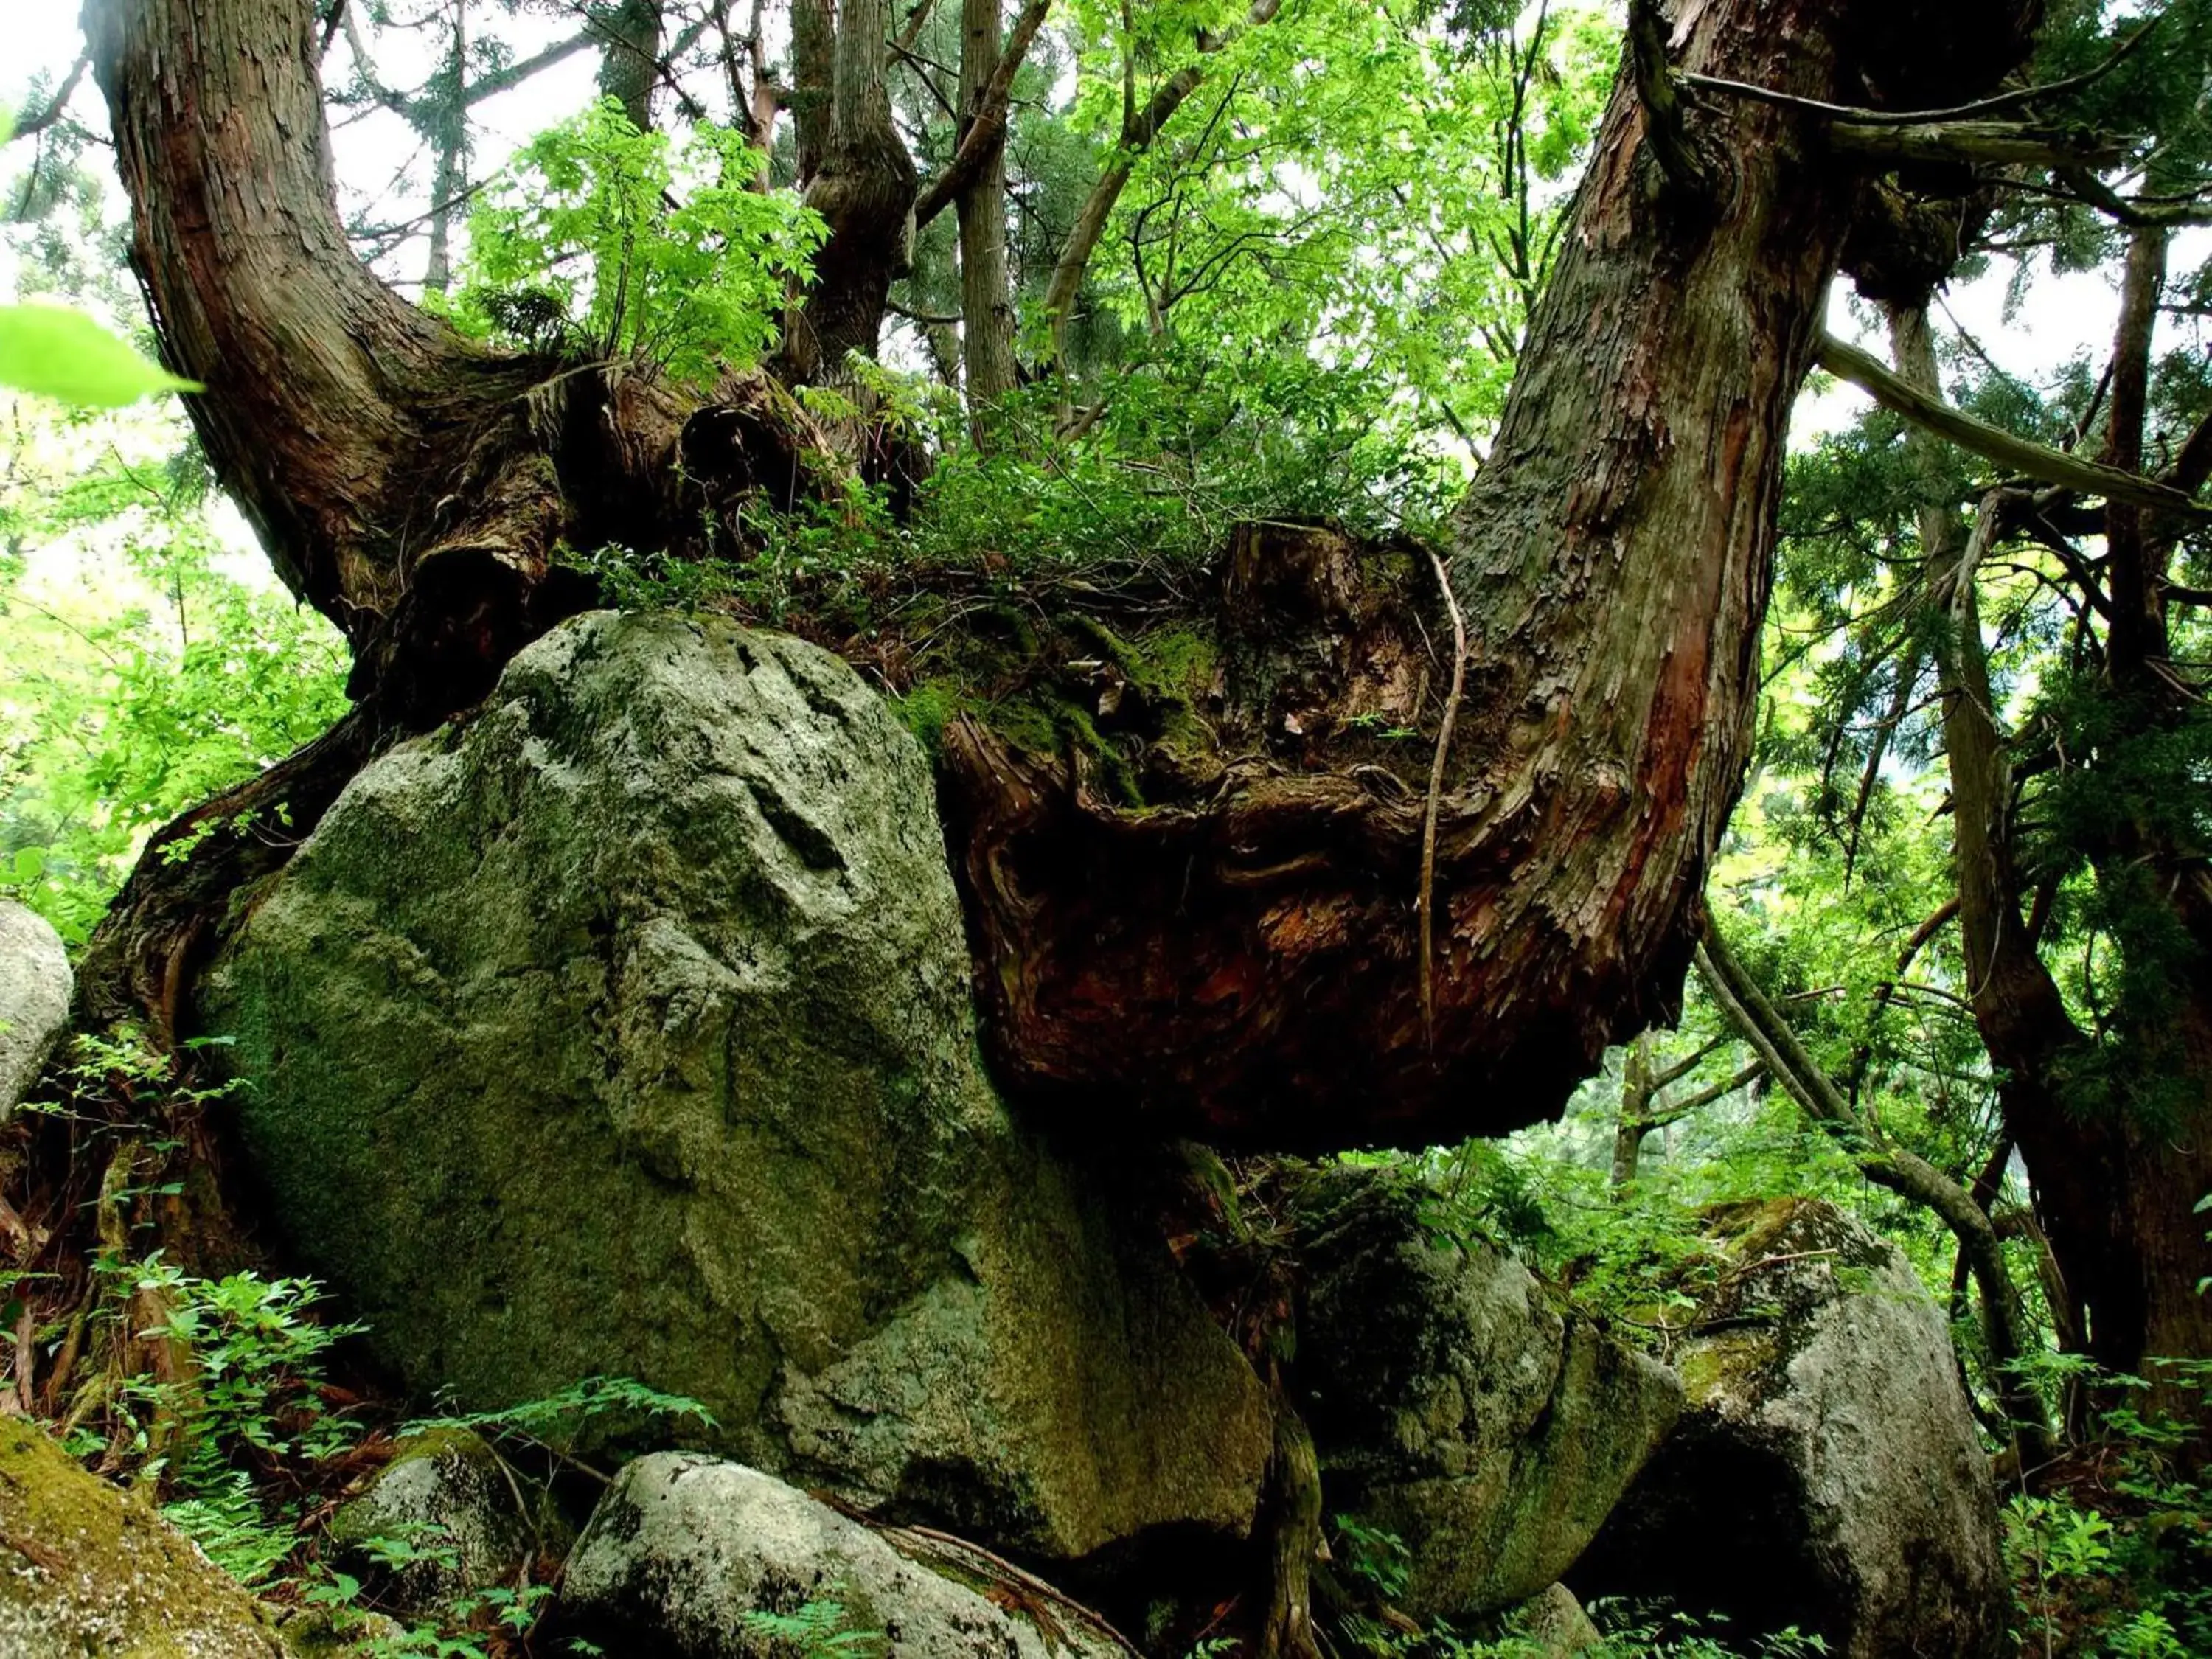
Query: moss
[[1725, 1364], [927, 709], [91, 1568]]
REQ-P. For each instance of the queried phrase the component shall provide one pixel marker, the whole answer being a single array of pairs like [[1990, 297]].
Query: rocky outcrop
[[1827, 1473], [625, 1029], [34, 999], [701, 1558], [87, 1568], [1454, 1404]]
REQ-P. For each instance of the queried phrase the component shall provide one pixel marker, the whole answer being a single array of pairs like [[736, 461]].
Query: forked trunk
[[1225, 942]]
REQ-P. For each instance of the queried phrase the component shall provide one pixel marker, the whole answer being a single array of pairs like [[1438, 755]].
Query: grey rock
[[1456, 1406], [684, 1553], [626, 1030], [35, 985], [444, 1496], [1827, 1472]]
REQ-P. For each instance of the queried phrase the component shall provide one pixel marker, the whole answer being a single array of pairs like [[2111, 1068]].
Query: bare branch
[[1992, 443]]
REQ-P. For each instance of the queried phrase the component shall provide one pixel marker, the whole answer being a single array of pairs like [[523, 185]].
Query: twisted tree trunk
[[1233, 950]]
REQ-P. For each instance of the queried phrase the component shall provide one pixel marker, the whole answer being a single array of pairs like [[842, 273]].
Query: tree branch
[[1980, 107], [1665, 123], [1903, 1172], [1996, 144], [1677, 1111], [1991, 443], [27, 125], [1137, 132]]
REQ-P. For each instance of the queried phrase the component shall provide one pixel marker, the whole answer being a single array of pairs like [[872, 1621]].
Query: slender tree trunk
[[2116, 1187], [1634, 1123], [449, 143], [863, 185], [986, 303]]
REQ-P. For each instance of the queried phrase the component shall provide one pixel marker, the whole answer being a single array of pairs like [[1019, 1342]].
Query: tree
[[2061, 686], [1248, 970]]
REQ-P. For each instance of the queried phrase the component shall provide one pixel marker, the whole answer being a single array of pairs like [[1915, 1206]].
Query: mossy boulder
[[446, 1502], [701, 1558], [1827, 1473], [1456, 1405], [625, 1029], [87, 1567]]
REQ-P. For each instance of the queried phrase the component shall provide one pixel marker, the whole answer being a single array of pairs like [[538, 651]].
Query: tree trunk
[[863, 185], [2129, 1265], [630, 57], [1612, 562], [986, 303], [1632, 1124]]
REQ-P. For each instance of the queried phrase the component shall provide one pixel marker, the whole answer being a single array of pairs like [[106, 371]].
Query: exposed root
[[1425, 905]]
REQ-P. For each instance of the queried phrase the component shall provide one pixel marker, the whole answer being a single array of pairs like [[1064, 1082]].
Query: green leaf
[[64, 355]]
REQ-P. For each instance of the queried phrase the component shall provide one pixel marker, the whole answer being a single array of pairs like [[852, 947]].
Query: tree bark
[[1612, 558], [409, 485], [2129, 1264], [1634, 1122], [863, 185]]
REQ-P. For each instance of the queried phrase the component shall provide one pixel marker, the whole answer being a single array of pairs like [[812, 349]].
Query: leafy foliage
[[609, 241], [62, 354]]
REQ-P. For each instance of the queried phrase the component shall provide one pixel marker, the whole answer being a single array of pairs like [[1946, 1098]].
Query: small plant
[[818, 1629], [1379, 1559]]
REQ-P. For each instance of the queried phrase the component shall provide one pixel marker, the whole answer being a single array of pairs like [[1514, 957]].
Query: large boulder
[[88, 1568], [625, 1029], [34, 999], [1456, 1405], [701, 1558], [1827, 1473]]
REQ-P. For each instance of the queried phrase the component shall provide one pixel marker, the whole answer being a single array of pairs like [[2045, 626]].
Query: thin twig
[[1426, 902]]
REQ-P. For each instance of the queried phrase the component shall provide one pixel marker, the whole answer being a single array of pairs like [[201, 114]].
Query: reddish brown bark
[[409, 485]]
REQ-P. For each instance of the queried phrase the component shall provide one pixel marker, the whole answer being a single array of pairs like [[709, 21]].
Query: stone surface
[[1827, 1473], [88, 1568], [682, 1548], [1454, 1405], [444, 1494], [626, 1030], [35, 984], [1555, 1624]]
